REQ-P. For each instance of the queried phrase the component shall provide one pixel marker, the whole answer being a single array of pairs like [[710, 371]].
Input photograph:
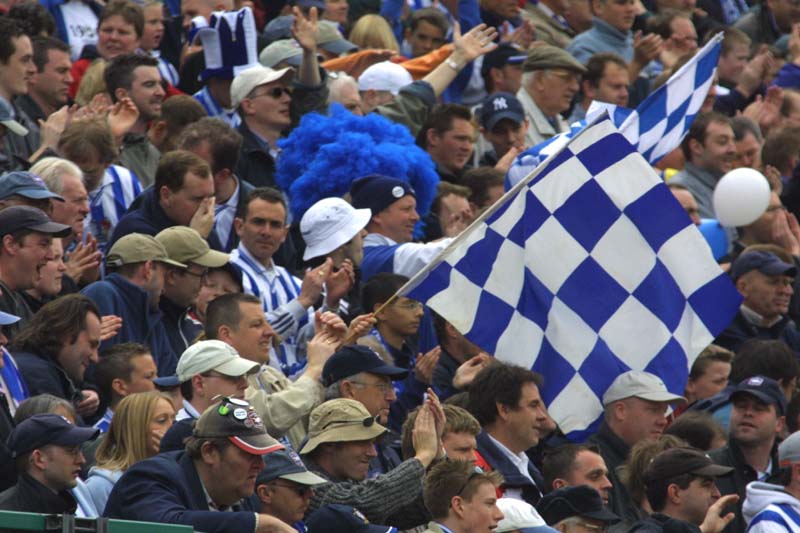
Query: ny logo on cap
[[500, 103], [757, 381]]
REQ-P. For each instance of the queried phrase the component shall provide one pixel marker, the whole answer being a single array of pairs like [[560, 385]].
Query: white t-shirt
[[81, 24]]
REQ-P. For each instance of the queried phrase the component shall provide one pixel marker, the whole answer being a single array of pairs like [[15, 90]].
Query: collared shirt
[[407, 259], [104, 422], [757, 319], [520, 460], [11, 382], [188, 411], [550, 13], [215, 110], [224, 214], [165, 68], [444, 528], [540, 126], [278, 291], [109, 201]]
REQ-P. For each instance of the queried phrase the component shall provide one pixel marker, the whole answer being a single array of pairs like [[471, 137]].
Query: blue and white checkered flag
[[587, 268], [655, 128]]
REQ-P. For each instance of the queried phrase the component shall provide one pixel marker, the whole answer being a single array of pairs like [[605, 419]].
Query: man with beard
[[757, 418], [136, 76]]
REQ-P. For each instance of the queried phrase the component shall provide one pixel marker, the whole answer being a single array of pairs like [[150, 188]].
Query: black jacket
[[30, 496], [615, 452], [736, 482], [741, 329], [660, 523]]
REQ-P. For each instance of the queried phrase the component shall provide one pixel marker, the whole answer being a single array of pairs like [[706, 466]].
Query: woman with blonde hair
[[372, 31], [140, 421]]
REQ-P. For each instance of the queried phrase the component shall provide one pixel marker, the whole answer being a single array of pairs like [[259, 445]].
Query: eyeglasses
[[476, 471], [367, 422], [301, 490], [202, 274], [381, 386], [275, 92], [410, 305]]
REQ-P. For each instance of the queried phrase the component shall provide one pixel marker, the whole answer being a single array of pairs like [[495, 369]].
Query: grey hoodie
[[768, 508]]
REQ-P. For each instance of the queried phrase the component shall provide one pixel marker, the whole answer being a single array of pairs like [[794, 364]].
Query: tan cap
[[184, 245], [341, 420], [640, 384], [204, 356], [137, 248], [548, 56], [247, 80]]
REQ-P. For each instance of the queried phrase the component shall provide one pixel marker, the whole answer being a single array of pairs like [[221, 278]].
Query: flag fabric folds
[[655, 127], [586, 269]]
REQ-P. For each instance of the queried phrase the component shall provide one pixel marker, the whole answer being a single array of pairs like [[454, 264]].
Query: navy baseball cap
[[167, 382], [352, 360], [499, 106], [765, 389], [6, 319], [22, 217], [335, 518], [25, 184], [580, 500], [378, 192], [765, 262], [504, 54], [41, 430], [287, 465]]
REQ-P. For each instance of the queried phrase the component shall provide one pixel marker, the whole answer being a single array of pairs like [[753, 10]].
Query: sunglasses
[[367, 422], [477, 471]]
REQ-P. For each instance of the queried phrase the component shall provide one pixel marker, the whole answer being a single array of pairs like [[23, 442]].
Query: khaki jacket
[[282, 404], [547, 29]]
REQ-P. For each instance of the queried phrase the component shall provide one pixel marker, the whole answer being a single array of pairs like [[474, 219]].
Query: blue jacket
[[43, 375], [512, 478], [601, 37], [741, 329], [115, 295], [145, 215], [181, 330], [167, 489]]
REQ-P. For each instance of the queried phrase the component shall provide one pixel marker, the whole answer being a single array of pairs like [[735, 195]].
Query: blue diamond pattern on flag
[[584, 270], [655, 128]]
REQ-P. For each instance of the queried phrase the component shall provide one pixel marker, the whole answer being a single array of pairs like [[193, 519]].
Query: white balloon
[[740, 197]]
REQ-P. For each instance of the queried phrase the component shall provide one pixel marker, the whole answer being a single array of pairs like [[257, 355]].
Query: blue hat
[[278, 28], [229, 42], [167, 382], [581, 501], [308, 4], [335, 518], [41, 430], [352, 360], [25, 217], [287, 465], [7, 319], [765, 262], [498, 106], [378, 192], [765, 389], [504, 54], [25, 184], [8, 119]]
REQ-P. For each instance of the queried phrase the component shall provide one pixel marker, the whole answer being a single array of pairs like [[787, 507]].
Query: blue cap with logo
[[41, 430], [378, 192], [767, 390], [504, 54], [499, 106], [352, 360], [25, 184], [765, 262]]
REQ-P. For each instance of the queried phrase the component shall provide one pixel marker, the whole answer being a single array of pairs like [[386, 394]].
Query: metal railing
[[14, 521]]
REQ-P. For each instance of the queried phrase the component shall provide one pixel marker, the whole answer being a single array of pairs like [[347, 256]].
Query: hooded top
[[768, 508]]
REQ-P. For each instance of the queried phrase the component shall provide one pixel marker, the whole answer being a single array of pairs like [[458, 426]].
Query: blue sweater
[[601, 38], [115, 295]]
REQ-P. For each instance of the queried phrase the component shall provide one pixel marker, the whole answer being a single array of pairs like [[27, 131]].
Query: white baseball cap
[[244, 83], [330, 223], [385, 76], [640, 384], [218, 356], [519, 516]]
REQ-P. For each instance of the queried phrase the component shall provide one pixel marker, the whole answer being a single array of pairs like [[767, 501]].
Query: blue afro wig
[[324, 154]]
